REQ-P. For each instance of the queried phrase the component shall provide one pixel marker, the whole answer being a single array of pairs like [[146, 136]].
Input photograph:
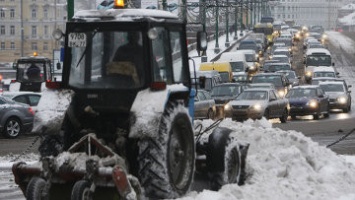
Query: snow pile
[[285, 165], [50, 111]]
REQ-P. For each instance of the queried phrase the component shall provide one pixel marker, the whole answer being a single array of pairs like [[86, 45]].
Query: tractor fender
[[217, 143], [147, 110]]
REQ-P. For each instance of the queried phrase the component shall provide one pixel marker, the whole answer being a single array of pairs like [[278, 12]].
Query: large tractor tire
[[166, 163], [36, 189], [223, 159]]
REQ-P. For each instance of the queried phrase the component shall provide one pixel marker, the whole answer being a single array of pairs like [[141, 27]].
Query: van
[[211, 79], [316, 57], [223, 68], [241, 60]]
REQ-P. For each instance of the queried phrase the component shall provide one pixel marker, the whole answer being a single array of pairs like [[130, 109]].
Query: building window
[[45, 13], [2, 46], [12, 13], [34, 13], [34, 46], [12, 30], [12, 45], [45, 46], [2, 30], [34, 31], [45, 30], [2, 13]]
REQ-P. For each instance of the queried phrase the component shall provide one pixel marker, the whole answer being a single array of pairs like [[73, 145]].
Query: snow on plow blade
[[78, 175]]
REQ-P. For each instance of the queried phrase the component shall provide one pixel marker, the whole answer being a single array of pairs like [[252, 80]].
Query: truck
[[24, 67], [127, 132]]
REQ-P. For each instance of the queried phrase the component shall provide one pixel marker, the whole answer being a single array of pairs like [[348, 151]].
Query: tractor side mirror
[[201, 42]]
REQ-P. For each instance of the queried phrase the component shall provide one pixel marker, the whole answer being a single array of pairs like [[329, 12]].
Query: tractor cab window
[[169, 63], [107, 59]]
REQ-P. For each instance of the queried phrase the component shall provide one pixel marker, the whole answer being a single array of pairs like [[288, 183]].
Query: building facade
[[306, 12], [26, 26]]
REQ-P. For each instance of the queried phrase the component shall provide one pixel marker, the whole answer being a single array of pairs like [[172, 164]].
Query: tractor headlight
[[342, 100], [312, 103]]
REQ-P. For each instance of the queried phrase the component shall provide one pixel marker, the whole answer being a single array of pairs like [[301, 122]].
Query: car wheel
[[284, 116], [210, 114], [12, 128], [316, 116], [346, 110]]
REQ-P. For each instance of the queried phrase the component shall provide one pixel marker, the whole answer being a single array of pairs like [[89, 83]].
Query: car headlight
[[227, 106], [252, 68], [281, 93], [312, 103], [308, 73], [342, 100], [256, 107]]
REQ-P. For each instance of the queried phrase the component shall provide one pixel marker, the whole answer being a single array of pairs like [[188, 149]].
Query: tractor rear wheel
[[166, 163]]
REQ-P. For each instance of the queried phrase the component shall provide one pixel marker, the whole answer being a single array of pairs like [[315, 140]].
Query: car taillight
[[30, 110]]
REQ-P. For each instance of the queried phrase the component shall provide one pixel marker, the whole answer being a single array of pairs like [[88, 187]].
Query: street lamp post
[[22, 29], [217, 49], [241, 18], [227, 44], [236, 20]]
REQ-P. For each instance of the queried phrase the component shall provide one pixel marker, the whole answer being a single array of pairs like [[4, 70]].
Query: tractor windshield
[[112, 59], [30, 72]]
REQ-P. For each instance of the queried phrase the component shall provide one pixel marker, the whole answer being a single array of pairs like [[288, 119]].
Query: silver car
[[257, 103], [205, 107], [339, 96], [15, 118]]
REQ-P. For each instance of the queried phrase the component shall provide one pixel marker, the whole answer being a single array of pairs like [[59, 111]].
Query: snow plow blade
[[75, 175]]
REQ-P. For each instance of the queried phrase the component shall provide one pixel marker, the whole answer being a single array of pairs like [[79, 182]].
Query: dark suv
[[280, 81]]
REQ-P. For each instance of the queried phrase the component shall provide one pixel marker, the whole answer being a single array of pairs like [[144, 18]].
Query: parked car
[[339, 96], [279, 80], [205, 107], [225, 92], [15, 118], [308, 100], [255, 103], [30, 98]]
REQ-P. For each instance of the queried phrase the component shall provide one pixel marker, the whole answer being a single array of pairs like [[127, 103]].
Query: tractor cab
[[31, 73]]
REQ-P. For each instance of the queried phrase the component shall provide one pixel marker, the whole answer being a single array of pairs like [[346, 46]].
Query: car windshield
[[252, 95], [332, 87], [276, 80], [278, 67], [319, 60], [226, 90], [304, 92], [250, 57], [237, 66], [323, 74]]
